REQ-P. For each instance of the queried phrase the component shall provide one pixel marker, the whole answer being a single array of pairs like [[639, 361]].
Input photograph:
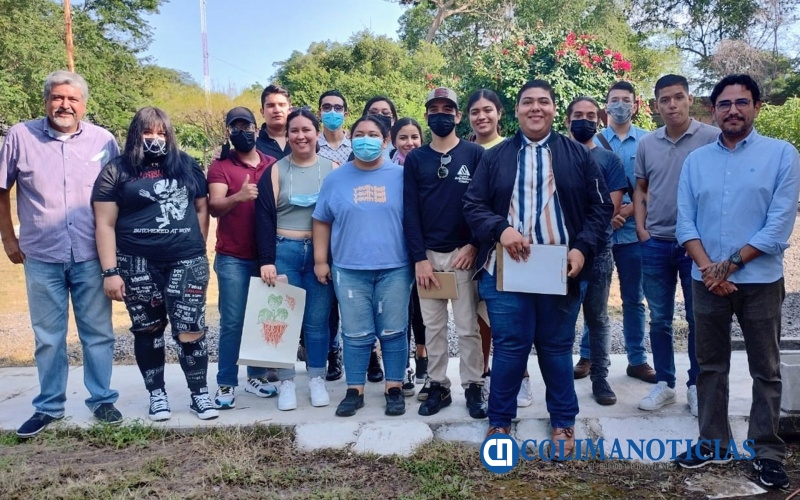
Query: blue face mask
[[332, 120], [367, 148], [303, 200]]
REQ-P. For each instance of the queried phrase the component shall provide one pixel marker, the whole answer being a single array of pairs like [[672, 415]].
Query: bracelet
[[112, 271]]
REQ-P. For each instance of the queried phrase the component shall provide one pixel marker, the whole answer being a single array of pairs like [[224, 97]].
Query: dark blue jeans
[[596, 341], [663, 262], [520, 321]]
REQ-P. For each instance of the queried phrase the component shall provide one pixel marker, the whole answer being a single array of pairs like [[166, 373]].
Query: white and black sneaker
[[159, 406], [202, 406]]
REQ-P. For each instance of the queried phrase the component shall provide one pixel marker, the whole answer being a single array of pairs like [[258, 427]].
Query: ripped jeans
[[374, 304]]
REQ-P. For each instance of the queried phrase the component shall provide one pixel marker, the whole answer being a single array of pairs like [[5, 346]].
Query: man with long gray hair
[[54, 162]]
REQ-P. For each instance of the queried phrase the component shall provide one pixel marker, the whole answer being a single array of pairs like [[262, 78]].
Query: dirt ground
[[138, 461]]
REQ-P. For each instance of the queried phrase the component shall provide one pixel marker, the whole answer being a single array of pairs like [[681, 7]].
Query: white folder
[[544, 272]]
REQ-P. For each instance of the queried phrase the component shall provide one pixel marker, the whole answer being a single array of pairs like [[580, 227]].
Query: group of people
[[364, 221]]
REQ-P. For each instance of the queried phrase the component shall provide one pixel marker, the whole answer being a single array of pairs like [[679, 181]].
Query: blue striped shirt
[[728, 198], [54, 176]]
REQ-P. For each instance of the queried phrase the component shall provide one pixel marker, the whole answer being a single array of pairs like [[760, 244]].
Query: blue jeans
[[596, 341], [233, 279], [374, 304], [295, 259], [663, 262], [49, 288], [520, 321], [628, 259]]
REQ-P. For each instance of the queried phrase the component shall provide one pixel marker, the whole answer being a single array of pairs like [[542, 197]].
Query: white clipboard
[[545, 271]]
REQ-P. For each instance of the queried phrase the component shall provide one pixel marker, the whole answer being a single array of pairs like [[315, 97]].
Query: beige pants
[[434, 315]]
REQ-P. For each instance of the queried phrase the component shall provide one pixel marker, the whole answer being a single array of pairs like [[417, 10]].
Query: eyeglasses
[[725, 106], [242, 128], [385, 112], [443, 162], [335, 107]]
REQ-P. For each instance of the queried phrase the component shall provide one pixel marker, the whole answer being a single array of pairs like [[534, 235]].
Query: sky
[[246, 37]]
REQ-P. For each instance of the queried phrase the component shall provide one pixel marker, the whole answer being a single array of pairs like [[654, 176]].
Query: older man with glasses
[[439, 239]]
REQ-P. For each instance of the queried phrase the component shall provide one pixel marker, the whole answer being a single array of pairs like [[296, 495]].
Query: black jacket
[[266, 219], [580, 186]]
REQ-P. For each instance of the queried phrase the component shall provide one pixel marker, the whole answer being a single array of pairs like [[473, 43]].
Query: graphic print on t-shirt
[[367, 192], [173, 200], [463, 176]]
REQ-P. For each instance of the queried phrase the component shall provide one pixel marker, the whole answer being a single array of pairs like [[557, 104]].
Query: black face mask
[[385, 119], [242, 141], [583, 130], [442, 124], [154, 148]]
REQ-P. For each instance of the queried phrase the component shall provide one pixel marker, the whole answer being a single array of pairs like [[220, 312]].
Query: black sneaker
[[108, 414], [696, 462], [36, 424], [272, 375], [301, 353], [350, 404], [395, 403], [374, 371], [422, 395], [771, 473], [438, 398], [421, 369], [475, 402], [602, 392], [408, 383], [334, 366], [202, 406]]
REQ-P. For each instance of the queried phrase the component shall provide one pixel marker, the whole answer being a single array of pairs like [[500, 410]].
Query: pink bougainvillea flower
[[583, 51], [625, 65], [505, 52], [597, 59], [607, 52], [618, 56]]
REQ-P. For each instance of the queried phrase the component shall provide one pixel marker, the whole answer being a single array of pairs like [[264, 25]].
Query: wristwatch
[[737, 260], [112, 271]]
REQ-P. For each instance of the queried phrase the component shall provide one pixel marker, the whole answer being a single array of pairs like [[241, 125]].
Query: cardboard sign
[[272, 321], [448, 290]]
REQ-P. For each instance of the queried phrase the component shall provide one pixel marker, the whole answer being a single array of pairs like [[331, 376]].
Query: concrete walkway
[[371, 431]]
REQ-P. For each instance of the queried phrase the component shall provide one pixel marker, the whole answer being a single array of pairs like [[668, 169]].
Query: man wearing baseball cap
[[439, 239], [232, 182]]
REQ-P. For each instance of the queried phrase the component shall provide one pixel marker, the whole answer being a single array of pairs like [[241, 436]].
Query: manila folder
[[448, 290]]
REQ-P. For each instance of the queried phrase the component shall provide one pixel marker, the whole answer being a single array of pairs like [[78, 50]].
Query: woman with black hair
[[370, 268], [485, 110], [151, 212], [285, 202]]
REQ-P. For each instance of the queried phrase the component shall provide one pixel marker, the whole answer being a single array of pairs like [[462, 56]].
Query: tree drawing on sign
[[273, 318]]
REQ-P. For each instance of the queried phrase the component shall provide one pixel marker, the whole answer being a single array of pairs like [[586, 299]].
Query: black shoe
[[350, 404], [108, 414], [395, 403], [422, 395], [301, 353], [438, 398], [421, 369], [374, 371], [475, 402], [771, 473], [696, 462], [408, 383], [272, 375], [36, 424], [602, 392], [334, 366]]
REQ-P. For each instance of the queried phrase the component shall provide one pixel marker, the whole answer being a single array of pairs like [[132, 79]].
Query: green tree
[[781, 122], [365, 66]]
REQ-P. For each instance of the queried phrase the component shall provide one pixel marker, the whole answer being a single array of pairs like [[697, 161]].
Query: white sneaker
[[659, 396], [691, 397], [225, 398], [261, 387], [487, 381], [319, 394], [287, 396], [525, 395]]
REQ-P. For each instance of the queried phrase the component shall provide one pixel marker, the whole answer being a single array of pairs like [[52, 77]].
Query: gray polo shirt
[[659, 161]]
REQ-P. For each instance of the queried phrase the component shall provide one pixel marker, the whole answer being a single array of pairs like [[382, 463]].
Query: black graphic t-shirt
[[157, 218]]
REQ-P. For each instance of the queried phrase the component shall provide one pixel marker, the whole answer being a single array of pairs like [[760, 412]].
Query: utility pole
[[70, 47], [206, 75]]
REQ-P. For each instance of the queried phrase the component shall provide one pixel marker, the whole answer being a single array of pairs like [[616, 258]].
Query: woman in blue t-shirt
[[359, 216], [151, 211]]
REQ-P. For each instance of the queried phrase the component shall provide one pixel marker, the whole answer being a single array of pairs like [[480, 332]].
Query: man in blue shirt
[[737, 203], [582, 124], [622, 137]]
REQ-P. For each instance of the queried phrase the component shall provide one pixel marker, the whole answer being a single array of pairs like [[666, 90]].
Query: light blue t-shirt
[[365, 210]]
